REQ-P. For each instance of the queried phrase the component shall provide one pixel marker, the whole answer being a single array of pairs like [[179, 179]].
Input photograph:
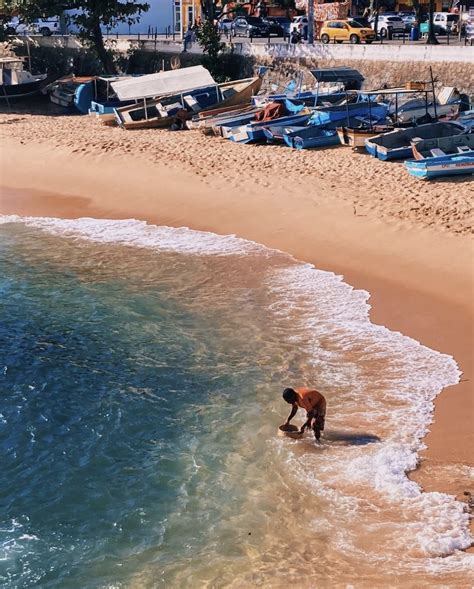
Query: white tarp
[[168, 82]]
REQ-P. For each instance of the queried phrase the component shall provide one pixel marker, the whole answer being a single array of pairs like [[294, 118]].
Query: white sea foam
[[416, 374], [139, 234]]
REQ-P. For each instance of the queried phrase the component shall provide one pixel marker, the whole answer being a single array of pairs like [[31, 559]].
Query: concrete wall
[[379, 52]]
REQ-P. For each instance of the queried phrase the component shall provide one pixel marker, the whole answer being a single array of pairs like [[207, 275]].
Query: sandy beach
[[407, 242]]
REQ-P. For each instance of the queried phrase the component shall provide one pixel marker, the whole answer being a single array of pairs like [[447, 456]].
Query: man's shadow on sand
[[342, 438]]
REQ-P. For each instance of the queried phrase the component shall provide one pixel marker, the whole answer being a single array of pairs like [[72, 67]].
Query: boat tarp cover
[[293, 108], [337, 74], [162, 83], [271, 111]]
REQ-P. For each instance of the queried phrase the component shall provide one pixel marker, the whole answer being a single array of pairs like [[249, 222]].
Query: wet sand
[[405, 241]]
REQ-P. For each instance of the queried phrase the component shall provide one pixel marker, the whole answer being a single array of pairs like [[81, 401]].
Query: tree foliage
[[209, 38], [91, 15]]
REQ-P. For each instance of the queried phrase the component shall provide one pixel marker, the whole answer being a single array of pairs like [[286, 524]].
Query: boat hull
[[16, 91], [437, 167]]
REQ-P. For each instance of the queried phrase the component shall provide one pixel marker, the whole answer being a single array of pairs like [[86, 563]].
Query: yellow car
[[345, 30]]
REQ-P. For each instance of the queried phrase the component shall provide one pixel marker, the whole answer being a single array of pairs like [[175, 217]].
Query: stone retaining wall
[[393, 65]]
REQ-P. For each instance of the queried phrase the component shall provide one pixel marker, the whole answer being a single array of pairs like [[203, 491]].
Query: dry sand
[[406, 241]]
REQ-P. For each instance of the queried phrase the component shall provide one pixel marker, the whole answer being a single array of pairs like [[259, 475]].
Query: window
[[190, 16], [177, 17]]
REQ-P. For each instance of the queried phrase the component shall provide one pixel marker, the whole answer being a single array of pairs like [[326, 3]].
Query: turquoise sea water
[[140, 392]]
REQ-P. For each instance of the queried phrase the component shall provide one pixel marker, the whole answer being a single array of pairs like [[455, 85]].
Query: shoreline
[[419, 279]]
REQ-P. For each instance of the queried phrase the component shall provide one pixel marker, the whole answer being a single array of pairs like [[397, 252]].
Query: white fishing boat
[[173, 97], [16, 81]]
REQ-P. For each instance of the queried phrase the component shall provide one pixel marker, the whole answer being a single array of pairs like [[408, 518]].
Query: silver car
[[388, 25]]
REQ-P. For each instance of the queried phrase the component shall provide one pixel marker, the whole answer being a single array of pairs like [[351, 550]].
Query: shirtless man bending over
[[313, 402]]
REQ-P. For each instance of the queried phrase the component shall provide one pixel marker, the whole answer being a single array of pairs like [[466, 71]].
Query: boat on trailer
[[16, 81], [171, 98], [442, 165]]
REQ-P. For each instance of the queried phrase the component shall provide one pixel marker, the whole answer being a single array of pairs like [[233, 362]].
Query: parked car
[[279, 25], [445, 22], [299, 24], [409, 19], [43, 27], [388, 25], [249, 26], [345, 30], [225, 25]]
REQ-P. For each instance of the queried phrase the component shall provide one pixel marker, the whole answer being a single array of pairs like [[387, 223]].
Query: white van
[[444, 22]]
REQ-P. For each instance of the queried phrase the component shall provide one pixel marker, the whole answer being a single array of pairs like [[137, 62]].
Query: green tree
[[91, 15]]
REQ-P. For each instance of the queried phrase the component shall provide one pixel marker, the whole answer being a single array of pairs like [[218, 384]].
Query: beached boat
[[86, 93], [444, 165], [396, 144], [332, 114], [445, 104], [276, 133], [225, 128], [278, 113], [205, 121], [173, 97], [441, 146], [63, 91], [331, 87], [311, 137], [16, 81], [355, 137]]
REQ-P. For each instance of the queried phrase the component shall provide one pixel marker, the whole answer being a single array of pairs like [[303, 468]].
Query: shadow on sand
[[350, 438]]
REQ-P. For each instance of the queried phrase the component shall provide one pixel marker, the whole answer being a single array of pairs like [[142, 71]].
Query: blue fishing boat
[[397, 144], [337, 113], [276, 133], [311, 137], [224, 128], [254, 132], [280, 113], [446, 165]]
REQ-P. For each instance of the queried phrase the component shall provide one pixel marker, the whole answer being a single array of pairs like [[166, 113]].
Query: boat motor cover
[[162, 83]]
